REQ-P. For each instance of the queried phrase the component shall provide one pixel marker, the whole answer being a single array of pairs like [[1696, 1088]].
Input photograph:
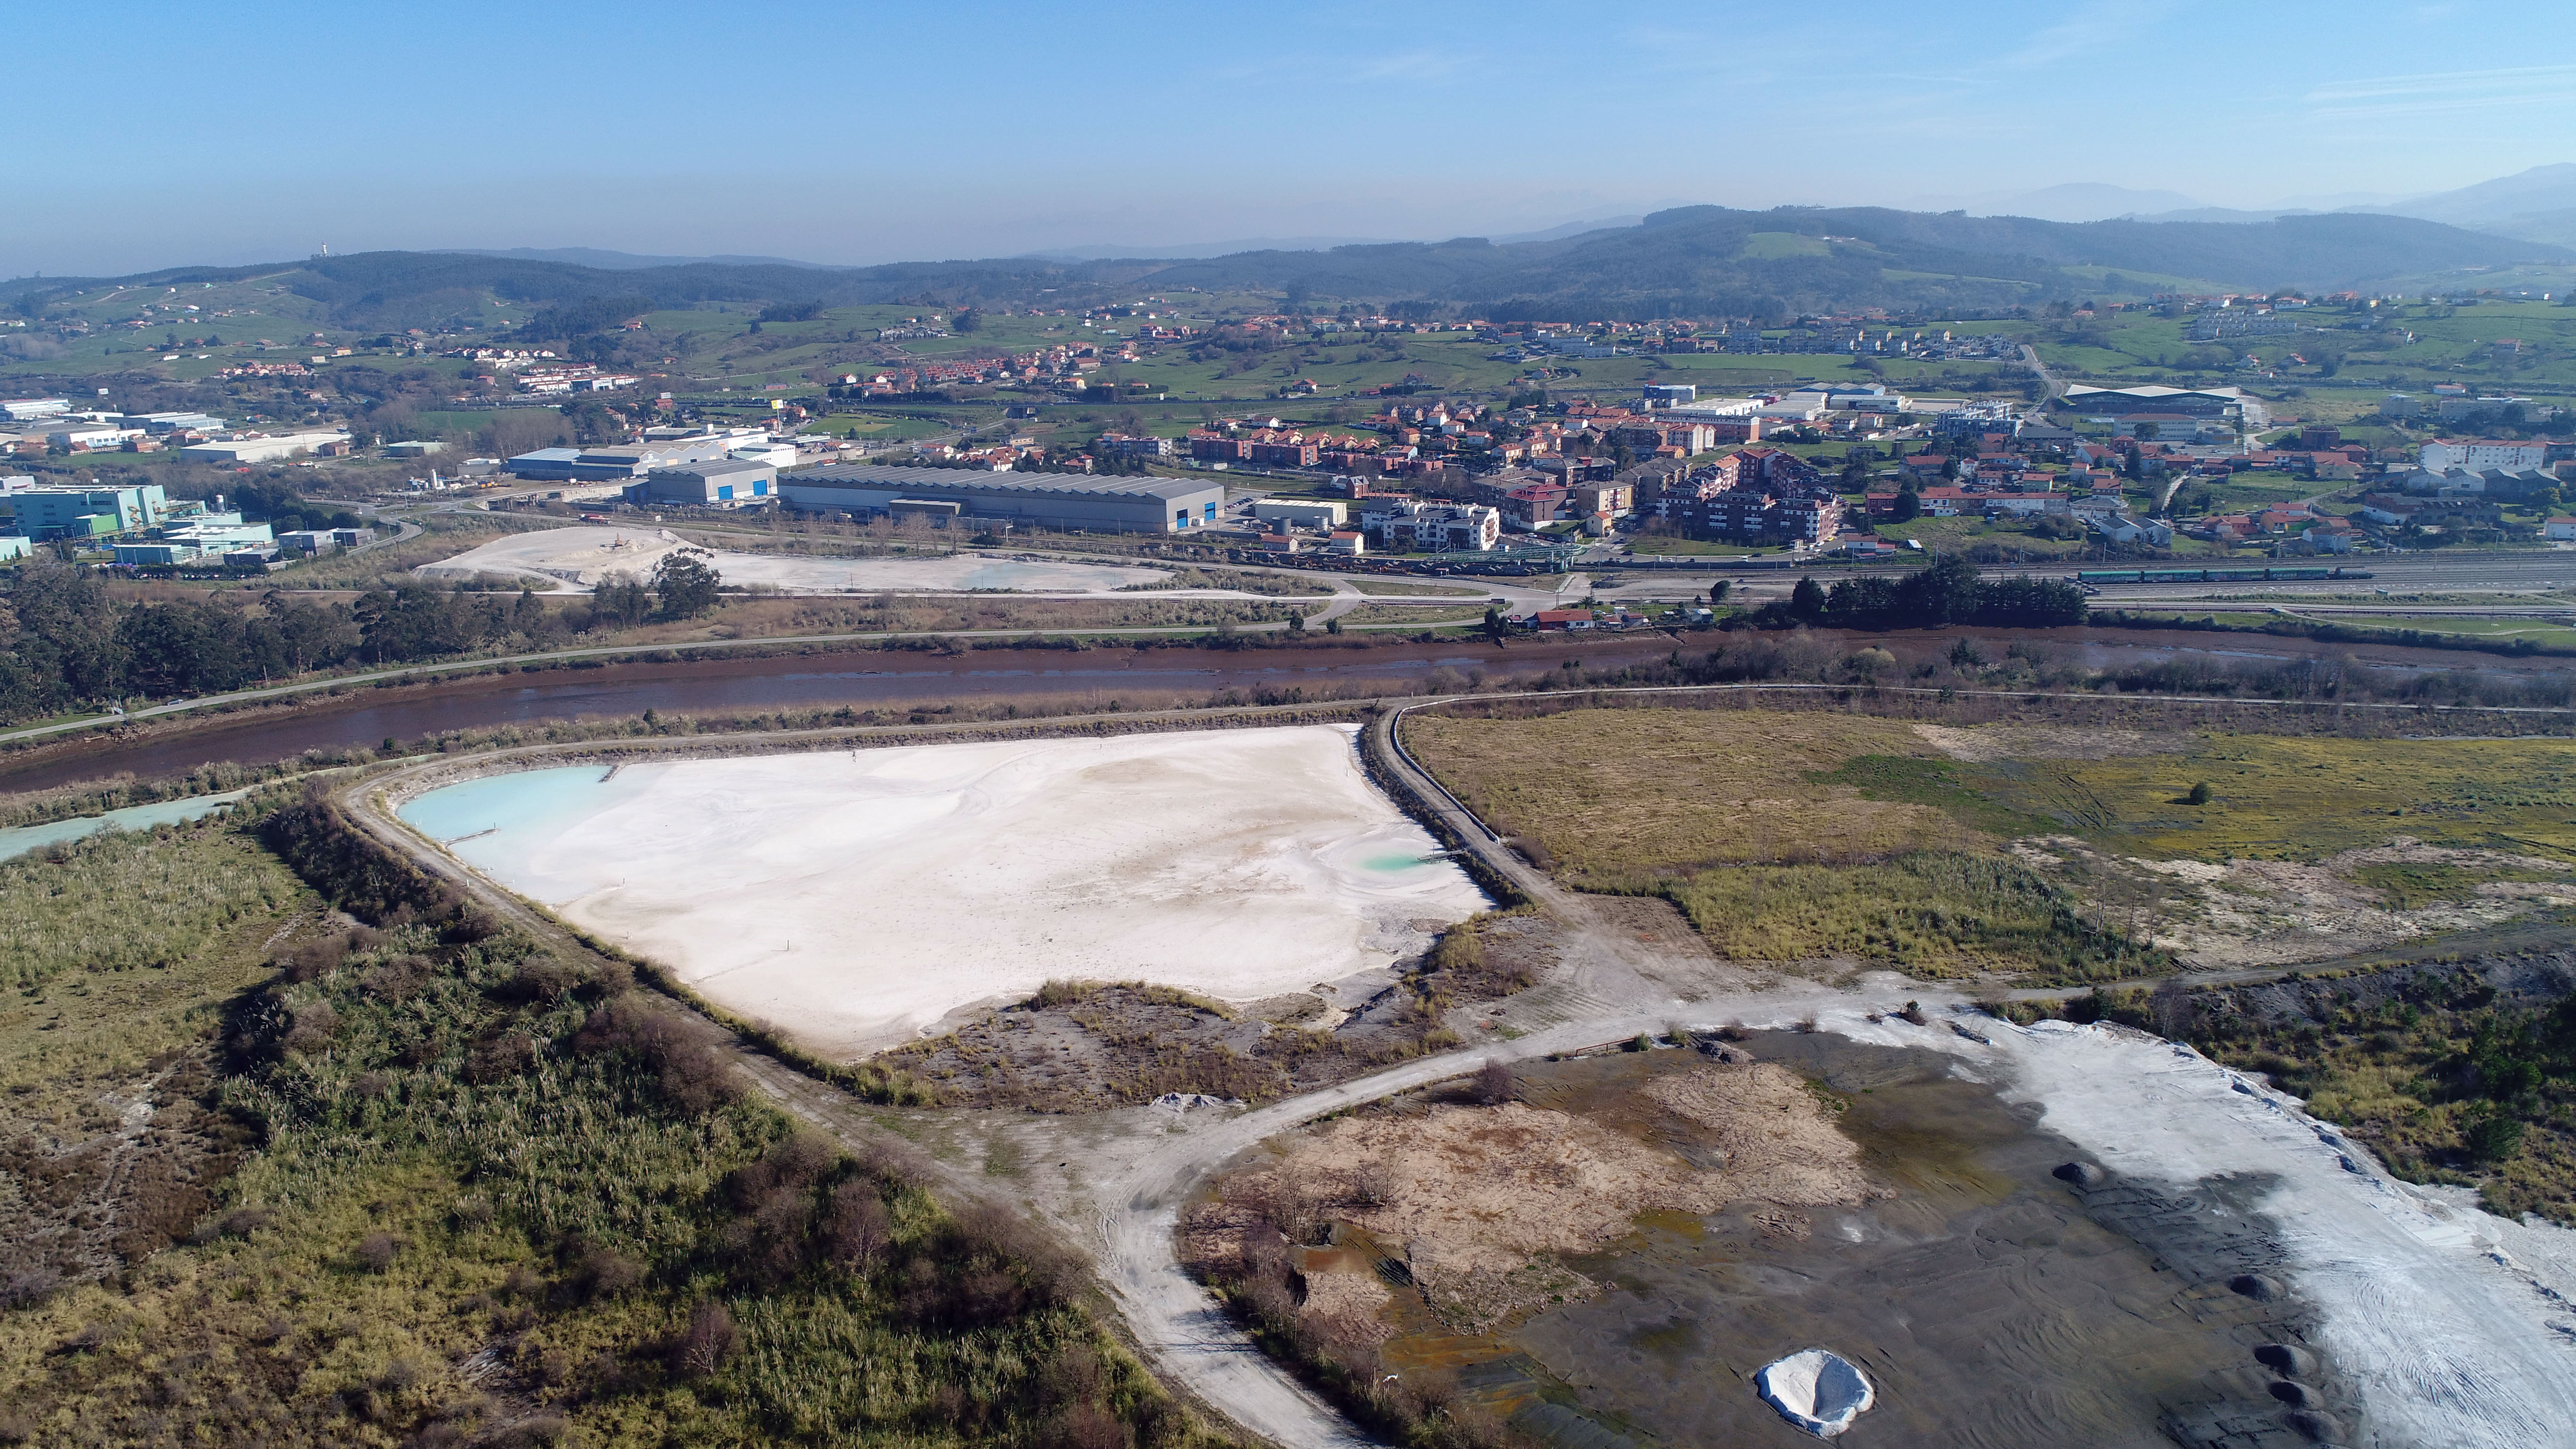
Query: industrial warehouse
[[1039, 500]]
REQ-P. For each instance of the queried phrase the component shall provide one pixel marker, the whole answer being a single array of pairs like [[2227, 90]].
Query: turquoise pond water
[[1404, 861], [519, 801], [133, 817]]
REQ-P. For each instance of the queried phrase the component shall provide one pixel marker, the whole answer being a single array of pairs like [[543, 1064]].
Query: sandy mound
[[1478, 1201], [1347, 1306], [1780, 1145]]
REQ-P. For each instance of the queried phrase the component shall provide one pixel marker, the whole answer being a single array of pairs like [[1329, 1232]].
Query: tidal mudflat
[[857, 897]]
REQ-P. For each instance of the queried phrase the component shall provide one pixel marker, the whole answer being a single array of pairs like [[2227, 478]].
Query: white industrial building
[[259, 450]]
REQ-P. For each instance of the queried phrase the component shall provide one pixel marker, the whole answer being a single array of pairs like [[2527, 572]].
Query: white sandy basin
[[580, 558], [856, 897]]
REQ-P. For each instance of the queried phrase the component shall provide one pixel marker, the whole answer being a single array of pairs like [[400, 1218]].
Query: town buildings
[[1418, 525], [2477, 453]]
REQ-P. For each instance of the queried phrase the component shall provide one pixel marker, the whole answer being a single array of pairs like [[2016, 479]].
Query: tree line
[[68, 643], [1946, 593]]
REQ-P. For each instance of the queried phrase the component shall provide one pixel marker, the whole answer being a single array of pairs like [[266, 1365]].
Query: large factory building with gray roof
[[1067, 501]]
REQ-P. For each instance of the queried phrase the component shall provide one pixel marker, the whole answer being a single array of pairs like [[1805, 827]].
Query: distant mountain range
[[1688, 261], [1199, 251], [621, 261], [2534, 205], [2538, 205], [2074, 201]]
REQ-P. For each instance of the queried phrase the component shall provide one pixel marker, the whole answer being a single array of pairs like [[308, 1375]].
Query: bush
[[691, 1075], [856, 1227], [314, 1027], [1494, 1083], [706, 1343], [1060, 992], [376, 1252]]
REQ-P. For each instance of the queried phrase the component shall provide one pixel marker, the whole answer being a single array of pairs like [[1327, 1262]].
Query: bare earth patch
[[1987, 743], [2246, 913], [1480, 1205]]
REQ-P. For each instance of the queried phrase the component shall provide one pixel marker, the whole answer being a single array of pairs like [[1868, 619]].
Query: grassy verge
[[1245, 581], [1427, 615], [444, 536], [2417, 636], [1398, 588]]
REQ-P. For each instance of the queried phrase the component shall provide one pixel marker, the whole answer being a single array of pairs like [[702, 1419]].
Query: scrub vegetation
[[305, 1181], [1787, 836]]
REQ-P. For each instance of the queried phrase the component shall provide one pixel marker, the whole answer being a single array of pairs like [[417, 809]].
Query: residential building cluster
[[576, 377], [1064, 365]]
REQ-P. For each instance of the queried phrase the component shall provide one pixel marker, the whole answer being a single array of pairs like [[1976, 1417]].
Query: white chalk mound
[[1818, 1391]]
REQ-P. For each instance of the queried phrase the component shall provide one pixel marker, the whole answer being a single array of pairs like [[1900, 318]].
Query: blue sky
[[147, 135]]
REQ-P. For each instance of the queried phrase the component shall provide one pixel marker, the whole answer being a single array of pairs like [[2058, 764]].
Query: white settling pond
[[856, 897]]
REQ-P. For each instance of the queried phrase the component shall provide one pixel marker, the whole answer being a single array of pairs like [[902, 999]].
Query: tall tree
[[686, 585]]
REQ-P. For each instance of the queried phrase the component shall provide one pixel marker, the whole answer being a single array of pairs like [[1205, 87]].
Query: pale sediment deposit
[[857, 897], [1818, 1391], [2449, 1338], [581, 558]]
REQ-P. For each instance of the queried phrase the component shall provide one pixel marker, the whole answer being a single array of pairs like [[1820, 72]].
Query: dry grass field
[[1620, 797], [2046, 853]]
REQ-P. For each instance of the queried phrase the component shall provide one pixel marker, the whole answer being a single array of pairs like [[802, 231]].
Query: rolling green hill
[[1700, 260]]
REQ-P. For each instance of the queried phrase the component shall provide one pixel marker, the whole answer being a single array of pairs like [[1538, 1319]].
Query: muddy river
[[866, 679], [879, 679]]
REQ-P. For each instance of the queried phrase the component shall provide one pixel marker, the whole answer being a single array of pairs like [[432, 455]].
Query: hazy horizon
[[841, 137]]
